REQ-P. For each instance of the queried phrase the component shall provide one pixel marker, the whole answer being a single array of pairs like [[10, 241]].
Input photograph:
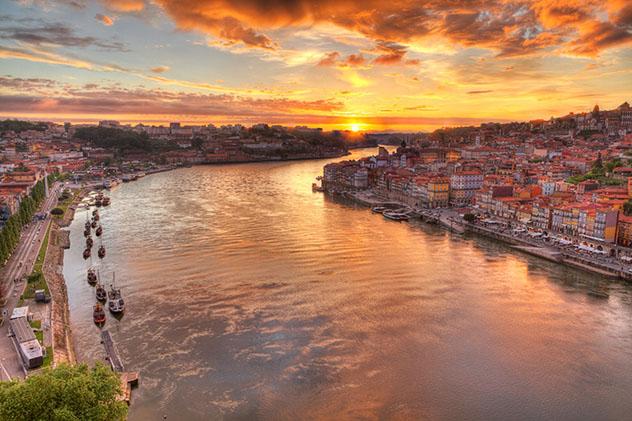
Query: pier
[[129, 379]]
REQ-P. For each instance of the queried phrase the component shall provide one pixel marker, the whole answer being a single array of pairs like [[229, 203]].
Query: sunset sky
[[378, 65]]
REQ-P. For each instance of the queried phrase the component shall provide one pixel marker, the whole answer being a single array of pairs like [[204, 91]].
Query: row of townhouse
[[423, 191], [463, 186], [345, 175]]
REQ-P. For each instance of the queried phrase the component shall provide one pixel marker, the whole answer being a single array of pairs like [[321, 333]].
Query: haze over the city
[[372, 65]]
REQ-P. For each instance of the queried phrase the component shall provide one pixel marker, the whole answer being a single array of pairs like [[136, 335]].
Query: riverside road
[[20, 264]]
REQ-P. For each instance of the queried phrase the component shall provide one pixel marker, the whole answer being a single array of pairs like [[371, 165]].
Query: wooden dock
[[111, 351], [129, 379]]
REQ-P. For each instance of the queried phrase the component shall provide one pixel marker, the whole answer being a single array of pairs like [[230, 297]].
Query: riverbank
[[445, 218], [62, 342], [62, 339], [276, 159]]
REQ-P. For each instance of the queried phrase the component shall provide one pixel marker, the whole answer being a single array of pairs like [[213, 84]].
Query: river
[[250, 297]]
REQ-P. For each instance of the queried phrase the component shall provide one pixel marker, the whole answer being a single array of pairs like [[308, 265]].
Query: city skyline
[[336, 65]]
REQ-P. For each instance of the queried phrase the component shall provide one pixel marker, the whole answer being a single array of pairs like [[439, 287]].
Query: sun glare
[[355, 127]]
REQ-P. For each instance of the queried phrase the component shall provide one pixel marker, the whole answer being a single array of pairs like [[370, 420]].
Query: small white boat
[[395, 216]]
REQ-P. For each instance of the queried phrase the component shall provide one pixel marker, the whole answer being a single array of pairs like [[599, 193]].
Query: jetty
[[129, 379]]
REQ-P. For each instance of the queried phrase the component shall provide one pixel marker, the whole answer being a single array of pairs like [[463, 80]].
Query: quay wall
[[529, 247]]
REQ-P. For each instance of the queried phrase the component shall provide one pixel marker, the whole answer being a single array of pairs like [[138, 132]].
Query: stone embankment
[[63, 351]]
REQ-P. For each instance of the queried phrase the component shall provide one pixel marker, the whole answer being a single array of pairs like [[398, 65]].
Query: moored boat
[[94, 224], [86, 253], [99, 231], [116, 304], [98, 314], [92, 276], [105, 201], [395, 216], [101, 252], [89, 242], [101, 293], [378, 209], [86, 232]]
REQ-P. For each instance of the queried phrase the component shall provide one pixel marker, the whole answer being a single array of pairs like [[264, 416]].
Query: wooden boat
[[105, 201], [86, 253], [92, 276], [116, 304], [96, 217], [86, 233], [101, 293], [99, 231], [89, 242], [98, 314], [378, 209], [94, 224], [101, 252]]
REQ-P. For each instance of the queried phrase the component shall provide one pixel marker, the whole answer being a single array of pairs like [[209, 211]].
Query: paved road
[[20, 264]]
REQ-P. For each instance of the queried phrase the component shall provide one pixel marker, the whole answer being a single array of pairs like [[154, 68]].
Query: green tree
[[627, 207], [64, 393]]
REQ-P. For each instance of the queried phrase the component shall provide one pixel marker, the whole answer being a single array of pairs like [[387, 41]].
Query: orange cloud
[[330, 59], [59, 99], [334, 59], [124, 5], [597, 36], [510, 27], [104, 19], [160, 69]]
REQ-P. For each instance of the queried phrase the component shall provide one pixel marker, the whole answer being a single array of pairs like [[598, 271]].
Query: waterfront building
[[598, 224], [347, 175], [624, 231], [29, 348], [541, 215], [565, 219], [438, 192], [464, 185]]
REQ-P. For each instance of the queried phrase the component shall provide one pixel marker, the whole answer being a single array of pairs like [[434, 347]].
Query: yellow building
[[438, 192]]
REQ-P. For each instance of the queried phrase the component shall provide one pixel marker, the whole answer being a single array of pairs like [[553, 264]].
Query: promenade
[[521, 241]]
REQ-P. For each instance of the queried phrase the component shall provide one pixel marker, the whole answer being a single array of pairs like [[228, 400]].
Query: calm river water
[[250, 297]]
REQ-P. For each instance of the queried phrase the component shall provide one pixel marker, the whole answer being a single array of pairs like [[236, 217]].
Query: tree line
[[111, 138], [20, 126], [10, 234]]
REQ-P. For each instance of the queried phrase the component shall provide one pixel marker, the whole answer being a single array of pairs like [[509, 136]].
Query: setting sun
[[355, 127]]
